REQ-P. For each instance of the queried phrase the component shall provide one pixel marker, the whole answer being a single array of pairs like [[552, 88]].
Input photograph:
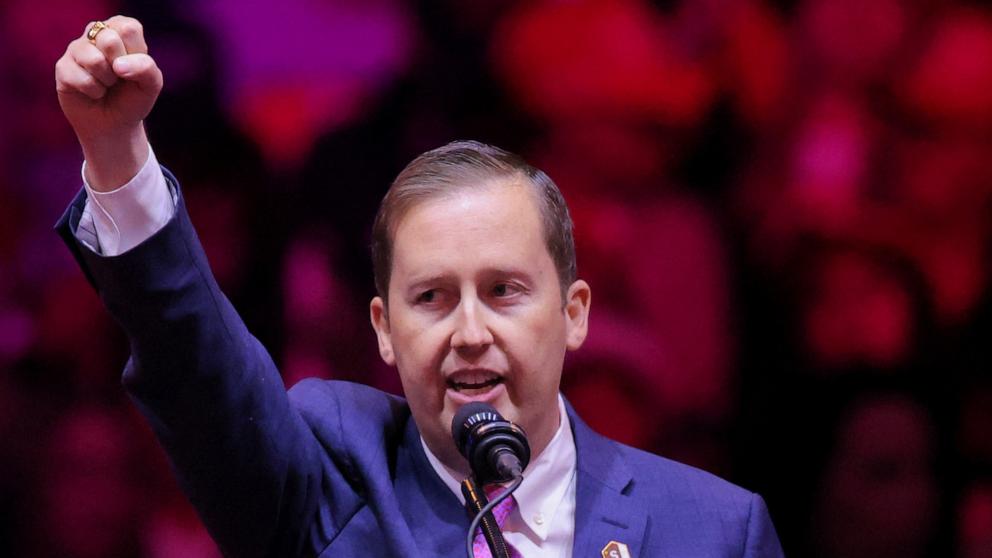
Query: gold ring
[[94, 30]]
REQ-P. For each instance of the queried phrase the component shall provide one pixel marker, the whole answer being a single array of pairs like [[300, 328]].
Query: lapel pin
[[616, 550]]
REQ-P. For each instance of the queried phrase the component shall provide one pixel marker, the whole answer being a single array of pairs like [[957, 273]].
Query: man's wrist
[[128, 215], [113, 160]]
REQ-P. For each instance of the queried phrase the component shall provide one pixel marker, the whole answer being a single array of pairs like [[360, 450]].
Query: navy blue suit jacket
[[337, 469]]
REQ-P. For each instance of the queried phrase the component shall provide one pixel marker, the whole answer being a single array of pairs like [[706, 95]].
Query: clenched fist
[[106, 89]]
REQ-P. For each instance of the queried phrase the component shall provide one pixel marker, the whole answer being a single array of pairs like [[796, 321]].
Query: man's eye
[[504, 289], [427, 297]]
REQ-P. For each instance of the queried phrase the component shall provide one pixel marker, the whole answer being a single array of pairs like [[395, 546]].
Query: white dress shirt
[[543, 523], [114, 222]]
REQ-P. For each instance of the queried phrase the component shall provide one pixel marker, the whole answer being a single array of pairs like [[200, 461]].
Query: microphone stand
[[475, 501]]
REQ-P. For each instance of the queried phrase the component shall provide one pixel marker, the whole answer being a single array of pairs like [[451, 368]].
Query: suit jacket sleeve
[[214, 398]]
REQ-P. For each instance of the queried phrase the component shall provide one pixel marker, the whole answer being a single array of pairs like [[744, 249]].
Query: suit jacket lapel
[[603, 511], [437, 520]]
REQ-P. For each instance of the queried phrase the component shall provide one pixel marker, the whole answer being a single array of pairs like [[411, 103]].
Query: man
[[478, 300]]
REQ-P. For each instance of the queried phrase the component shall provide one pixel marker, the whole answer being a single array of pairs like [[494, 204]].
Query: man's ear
[[379, 315], [577, 301]]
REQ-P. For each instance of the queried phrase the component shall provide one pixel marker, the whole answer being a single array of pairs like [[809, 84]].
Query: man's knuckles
[[109, 42], [121, 21], [129, 29], [87, 85], [91, 59], [61, 73], [89, 68]]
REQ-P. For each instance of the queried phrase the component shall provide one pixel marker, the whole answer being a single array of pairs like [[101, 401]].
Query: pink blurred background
[[783, 207]]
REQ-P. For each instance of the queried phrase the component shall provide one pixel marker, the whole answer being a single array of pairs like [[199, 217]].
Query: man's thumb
[[139, 68]]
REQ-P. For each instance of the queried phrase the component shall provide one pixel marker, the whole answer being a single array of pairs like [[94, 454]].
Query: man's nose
[[471, 328]]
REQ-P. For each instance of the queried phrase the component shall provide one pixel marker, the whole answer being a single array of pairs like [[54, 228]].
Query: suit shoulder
[[683, 482], [331, 408], [314, 397]]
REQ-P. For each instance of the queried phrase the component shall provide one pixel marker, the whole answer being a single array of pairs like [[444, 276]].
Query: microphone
[[496, 449]]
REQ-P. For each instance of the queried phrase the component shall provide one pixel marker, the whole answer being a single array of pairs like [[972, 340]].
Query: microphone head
[[481, 434], [469, 415]]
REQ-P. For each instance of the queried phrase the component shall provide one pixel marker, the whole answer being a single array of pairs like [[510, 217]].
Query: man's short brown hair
[[467, 164]]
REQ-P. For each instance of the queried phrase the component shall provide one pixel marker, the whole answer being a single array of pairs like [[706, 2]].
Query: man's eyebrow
[[486, 274], [425, 280], [510, 272]]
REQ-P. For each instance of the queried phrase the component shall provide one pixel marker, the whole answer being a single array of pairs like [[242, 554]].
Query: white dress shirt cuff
[[127, 216]]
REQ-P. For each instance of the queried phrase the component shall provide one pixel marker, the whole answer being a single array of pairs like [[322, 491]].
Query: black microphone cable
[[497, 451], [470, 538]]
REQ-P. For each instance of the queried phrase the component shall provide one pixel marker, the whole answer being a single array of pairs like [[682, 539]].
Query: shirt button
[[539, 519]]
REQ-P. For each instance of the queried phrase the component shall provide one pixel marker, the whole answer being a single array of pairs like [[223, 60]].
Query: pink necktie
[[500, 513]]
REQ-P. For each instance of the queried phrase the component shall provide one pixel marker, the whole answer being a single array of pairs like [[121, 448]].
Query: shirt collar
[[546, 478]]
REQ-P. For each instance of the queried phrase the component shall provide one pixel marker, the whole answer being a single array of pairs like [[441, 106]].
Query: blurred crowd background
[[782, 207]]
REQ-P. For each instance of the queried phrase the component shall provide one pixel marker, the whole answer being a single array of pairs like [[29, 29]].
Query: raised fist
[[107, 84]]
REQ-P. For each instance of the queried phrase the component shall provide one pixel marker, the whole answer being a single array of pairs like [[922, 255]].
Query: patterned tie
[[500, 513]]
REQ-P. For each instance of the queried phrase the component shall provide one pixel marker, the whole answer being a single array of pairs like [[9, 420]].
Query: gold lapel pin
[[616, 550]]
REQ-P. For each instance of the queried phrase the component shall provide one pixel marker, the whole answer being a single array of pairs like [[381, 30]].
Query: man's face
[[475, 314]]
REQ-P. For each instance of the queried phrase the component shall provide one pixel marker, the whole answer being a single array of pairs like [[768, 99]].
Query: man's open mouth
[[469, 383]]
